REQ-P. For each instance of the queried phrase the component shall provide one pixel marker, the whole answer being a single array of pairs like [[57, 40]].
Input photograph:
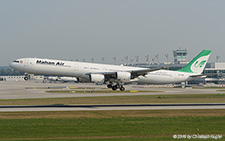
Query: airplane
[[52, 78], [62, 79], [114, 75]]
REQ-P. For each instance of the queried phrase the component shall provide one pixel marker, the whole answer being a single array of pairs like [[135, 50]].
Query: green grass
[[105, 126], [134, 99]]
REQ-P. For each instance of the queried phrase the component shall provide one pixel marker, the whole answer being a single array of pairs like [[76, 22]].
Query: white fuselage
[[82, 69]]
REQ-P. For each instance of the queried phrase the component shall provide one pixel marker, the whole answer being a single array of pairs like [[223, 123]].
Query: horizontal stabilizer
[[201, 75]]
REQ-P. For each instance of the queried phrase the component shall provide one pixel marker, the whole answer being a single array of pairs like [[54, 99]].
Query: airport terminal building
[[217, 68]]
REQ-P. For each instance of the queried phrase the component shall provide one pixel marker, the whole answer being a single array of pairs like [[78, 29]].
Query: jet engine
[[123, 76], [97, 78]]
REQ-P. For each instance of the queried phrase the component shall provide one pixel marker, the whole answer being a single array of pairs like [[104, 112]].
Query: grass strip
[[123, 125], [134, 99]]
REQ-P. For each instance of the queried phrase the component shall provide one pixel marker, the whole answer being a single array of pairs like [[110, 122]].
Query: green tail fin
[[197, 65]]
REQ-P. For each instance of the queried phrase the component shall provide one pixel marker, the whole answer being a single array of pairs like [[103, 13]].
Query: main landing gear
[[116, 86]]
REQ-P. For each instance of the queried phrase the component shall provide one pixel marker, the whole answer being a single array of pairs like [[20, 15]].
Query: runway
[[20, 108], [32, 90]]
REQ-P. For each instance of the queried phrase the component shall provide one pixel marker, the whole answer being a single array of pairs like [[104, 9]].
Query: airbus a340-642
[[113, 74]]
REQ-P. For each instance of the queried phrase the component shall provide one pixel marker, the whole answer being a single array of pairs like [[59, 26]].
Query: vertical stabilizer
[[197, 65]]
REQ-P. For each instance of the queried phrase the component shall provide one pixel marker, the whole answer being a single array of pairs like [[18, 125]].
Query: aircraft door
[[176, 76], [76, 72], [75, 67], [26, 63]]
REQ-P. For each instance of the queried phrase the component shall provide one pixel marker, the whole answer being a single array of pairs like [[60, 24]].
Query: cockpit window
[[15, 61]]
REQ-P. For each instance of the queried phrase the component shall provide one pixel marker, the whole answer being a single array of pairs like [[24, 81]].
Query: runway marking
[[111, 107]]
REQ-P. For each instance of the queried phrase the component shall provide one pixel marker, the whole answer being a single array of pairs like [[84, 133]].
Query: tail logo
[[200, 64]]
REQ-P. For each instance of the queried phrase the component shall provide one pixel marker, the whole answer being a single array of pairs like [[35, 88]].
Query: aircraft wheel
[[122, 88], [25, 78], [109, 86], [114, 88]]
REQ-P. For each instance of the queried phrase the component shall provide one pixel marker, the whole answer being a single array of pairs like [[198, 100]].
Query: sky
[[86, 29]]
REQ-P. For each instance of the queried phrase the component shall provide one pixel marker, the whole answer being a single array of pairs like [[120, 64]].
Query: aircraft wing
[[133, 73], [143, 72]]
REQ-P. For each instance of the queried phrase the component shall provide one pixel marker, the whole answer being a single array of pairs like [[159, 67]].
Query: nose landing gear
[[26, 76]]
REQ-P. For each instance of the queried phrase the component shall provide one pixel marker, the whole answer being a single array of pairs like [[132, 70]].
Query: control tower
[[180, 56]]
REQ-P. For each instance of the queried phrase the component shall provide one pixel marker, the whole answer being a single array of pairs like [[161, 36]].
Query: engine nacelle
[[123, 76], [97, 78]]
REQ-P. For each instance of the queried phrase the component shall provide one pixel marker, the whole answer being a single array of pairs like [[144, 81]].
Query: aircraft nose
[[11, 64]]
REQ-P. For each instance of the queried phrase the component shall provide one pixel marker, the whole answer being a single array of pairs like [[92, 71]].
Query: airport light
[[157, 57], [167, 57], [153, 59], [126, 59], [122, 61], [137, 59], [217, 58], [103, 60], [114, 58], [131, 60], [147, 59]]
